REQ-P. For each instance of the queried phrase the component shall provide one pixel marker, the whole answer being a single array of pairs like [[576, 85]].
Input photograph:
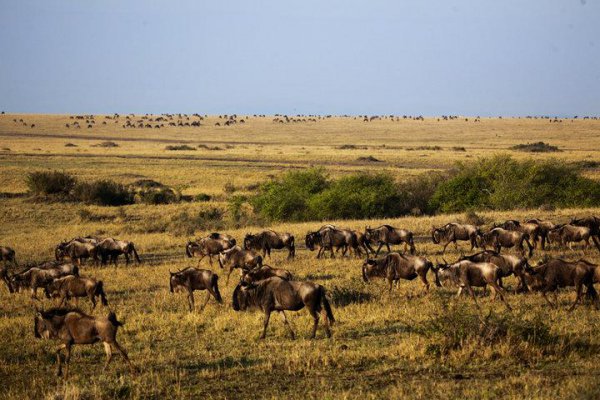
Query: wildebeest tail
[[112, 317], [100, 292], [327, 307], [214, 281]]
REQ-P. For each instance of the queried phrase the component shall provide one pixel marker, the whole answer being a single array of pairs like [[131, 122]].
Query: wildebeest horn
[[445, 262]]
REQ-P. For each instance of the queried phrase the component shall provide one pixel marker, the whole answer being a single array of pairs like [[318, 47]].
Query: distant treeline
[[497, 183]]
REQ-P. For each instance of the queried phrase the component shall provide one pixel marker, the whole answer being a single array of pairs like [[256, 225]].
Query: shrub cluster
[[103, 192], [537, 147], [56, 183]]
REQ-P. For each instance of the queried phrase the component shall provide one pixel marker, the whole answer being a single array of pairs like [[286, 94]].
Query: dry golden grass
[[382, 346]]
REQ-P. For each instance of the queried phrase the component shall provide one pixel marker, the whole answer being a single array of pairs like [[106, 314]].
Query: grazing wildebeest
[[235, 257], [113, 248], [76, 251], [7, 255], [394, 266], [362, 243], [593, 223], [276, 294], [72, 286], [269, 239], [265, 272], [507, 239], [467, 274], [72, 326], [190, 279], [36, 277], [557, 273], [508, 264], [330, 237], [453, 232], [386, 235], [532, 229], [544, 227], [210, 245], [567, 234]]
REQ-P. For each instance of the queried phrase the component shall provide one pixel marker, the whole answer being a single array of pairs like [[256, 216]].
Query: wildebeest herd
[[276, 289]]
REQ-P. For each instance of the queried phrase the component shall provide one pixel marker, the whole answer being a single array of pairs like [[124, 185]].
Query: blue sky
[[426, 57]]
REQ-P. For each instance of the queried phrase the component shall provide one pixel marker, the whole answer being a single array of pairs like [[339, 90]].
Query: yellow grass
[[381, 347]]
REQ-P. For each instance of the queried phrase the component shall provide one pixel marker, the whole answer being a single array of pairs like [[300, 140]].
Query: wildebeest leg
[[378, 249], [460, 289], [191, 299], [210, 259], [124, 354], [444, 249], [206, 302], [108, 351], [472, 293], [499, 291], [67, 359], [547, 299], [319, 252], [92, 298], [315, 316], [229, 274], [423, 277], [287, 324], [58, 360], [390, 282], [266, 323], [201, 258], [596, 241], [114, 259], [126, 259], [579, 291]]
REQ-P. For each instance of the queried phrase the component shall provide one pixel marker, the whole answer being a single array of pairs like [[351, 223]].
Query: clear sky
[[429, 57]]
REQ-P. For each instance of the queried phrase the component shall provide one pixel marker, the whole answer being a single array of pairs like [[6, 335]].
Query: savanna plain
[[398, 344]]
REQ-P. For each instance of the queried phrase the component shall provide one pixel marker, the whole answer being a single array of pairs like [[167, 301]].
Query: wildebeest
[[592, 222], [500, 238], [5, 277], [191, 279], [330, 238], [467, 274], [567, 234], [557, 273], [268, 240], [453, 232], [531, 228], [36, 277], [7, 255], [386, 235], [77, 251], [265, 272], [508, 264], [72, 326], [235, 257], [544, 227], [276, 294], [210, 245], [110, 248], [394, 266], [72, 286]]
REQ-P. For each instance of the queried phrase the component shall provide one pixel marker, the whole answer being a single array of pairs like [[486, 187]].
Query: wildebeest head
[[60, 250], [191, 248], [176, 281], [249, 240], [47, 323], [436, 234], [241, 296], [369, 268], [311, 240]]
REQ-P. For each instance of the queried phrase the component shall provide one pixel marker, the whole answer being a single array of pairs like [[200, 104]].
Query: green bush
[[287, 198], [103, 192], [503, 183], [160, 196], [50, 183]]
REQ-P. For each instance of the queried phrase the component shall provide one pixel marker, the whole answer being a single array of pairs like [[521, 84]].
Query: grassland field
[[383, 345]]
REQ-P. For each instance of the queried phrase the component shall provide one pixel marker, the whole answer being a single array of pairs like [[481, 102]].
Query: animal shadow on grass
[[224, 363], [318, 277]]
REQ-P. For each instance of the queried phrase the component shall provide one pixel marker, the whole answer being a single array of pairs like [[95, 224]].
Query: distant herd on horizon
[[276, 289]]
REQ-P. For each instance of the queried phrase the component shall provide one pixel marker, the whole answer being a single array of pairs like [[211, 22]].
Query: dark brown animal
[[110, 248], [508, 264], [530, 228], [267, 240], [330, 238], [235, 257], [453, 232], [592, 222], [558, 273], [72, 326], [567, 234], [8, 255], [544, 227], [74, 287], [468, 274], [191, 279], [76, 251], [210, 246], [395, 266], [265, 272], [508, 239], [36, 277], [276, 294], [386, 235]]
